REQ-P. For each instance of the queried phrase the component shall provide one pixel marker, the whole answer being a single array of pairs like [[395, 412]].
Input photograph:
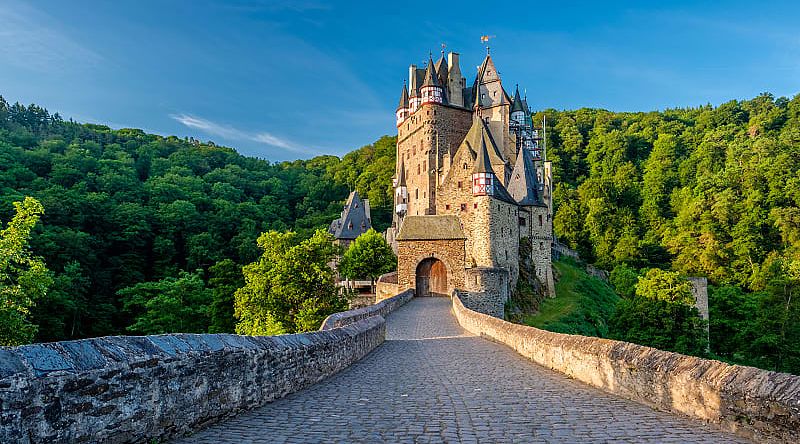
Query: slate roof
[[401, 176], [354, 221], [403, 98], [518, 104], [436, 227], [431, 78], [524, 184], [482, 162]]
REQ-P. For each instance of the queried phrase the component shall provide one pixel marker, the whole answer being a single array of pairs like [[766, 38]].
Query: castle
[[472, 189]]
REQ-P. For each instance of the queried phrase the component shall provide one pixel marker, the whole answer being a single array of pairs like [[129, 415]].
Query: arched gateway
[[431, 278]]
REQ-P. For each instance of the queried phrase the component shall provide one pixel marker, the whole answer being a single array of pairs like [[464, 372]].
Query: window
[[418, 170], [540, 220], [425, 165], [463, 207], [460, 184], [475, 206], [447, 207], [541, 245], [350, 226], [416, 192], [521, 221], [424, 194]]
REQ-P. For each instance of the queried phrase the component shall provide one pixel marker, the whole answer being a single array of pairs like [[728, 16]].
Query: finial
[[485, 39], [443, 47]]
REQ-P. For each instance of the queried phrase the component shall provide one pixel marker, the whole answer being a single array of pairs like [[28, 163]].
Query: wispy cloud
[[230, 133], [30, 39]]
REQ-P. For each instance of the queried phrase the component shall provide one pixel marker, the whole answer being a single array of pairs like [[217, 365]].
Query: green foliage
[[623, 278], [369, 255], [171, 305], [290, 288], [126, 207], [661, 315], [24, 278], [583, 304], [226, 278]]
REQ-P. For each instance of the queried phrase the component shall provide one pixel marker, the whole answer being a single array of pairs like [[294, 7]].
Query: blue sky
[[292, 79]]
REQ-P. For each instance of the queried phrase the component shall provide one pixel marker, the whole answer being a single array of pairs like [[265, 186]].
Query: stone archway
[[431, 278]]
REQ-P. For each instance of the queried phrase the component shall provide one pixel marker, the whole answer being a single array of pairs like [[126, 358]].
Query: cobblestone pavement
[[433, 382]]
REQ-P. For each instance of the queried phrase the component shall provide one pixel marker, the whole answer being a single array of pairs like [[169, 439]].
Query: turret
[[414, 98], [401, 192], [402, 108], [483, 178], [518, 110], [431, 89]]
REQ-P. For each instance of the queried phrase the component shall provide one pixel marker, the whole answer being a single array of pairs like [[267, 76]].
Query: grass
[[583, 304]]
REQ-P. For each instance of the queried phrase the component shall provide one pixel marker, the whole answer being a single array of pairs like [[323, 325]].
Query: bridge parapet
[[754, 403], [381, 308], [138, 388]]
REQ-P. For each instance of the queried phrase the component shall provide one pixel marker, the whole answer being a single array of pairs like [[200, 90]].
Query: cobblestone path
[[433, 382]]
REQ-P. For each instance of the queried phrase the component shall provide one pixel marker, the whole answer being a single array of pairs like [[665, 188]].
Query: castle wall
[[539, 232], [411, 252], [495, 235], [416, 145], [486, 290]]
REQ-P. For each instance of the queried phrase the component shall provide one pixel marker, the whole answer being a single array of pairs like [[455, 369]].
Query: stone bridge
[[434, 379]]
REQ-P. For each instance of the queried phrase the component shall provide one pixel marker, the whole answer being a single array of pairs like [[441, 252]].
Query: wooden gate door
[[431, 278]]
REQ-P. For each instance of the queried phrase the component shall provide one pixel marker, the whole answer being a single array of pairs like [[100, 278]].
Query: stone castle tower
[[471, 185]]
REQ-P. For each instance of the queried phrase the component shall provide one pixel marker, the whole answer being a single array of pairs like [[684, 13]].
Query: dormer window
[[350, 226]]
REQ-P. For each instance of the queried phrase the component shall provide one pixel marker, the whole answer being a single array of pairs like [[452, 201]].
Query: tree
[[623, 278], [24, 278], [290, 288], [226, 278], [369, 255], [171, 305], [662, 315]]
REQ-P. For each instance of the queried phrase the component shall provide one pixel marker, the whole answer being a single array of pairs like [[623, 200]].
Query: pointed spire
[[517, 105], [431, 78], [482, 163], [403, 98], [401, 175], [524, 184]]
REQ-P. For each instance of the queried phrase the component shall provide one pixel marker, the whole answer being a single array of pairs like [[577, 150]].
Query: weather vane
[[485, 39]]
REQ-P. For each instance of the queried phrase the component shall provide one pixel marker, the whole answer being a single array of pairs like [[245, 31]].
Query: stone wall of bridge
[[754, 403], [139, 388], [381, 308]]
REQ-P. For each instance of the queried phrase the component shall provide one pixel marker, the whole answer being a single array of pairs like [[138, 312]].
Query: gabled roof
[[478, 132], [524, 184], [354, 220], [434, 227], [403, 98]]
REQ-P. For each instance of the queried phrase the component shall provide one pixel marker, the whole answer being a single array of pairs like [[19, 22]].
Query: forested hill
[[124, 207], [709, 191]]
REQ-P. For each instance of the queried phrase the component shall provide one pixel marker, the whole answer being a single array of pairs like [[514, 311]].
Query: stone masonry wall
[[386, 287], [141, 388], [411, 252], [487, 290], [417, 141], [758, 404], [381, 308]]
